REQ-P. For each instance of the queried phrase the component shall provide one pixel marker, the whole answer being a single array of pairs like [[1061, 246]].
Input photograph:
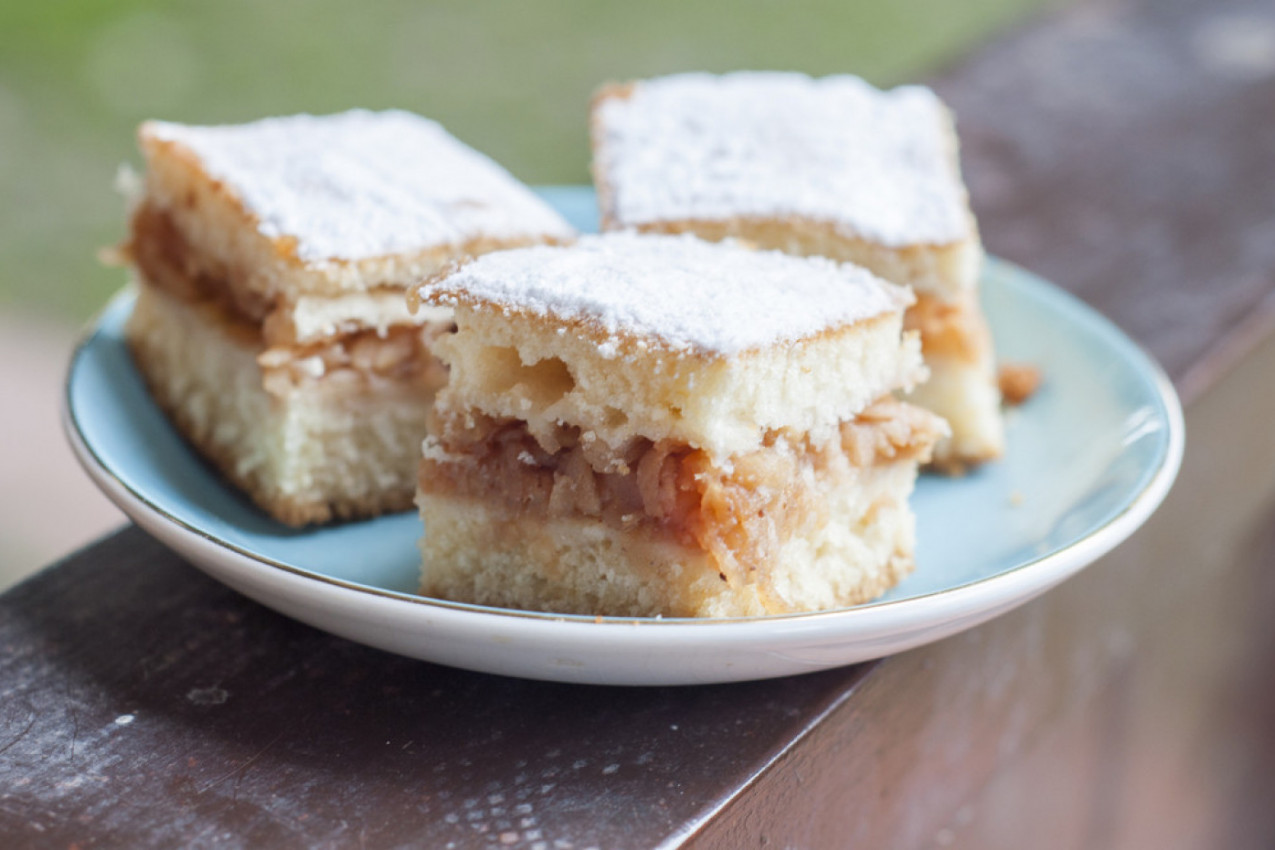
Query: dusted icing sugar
[[875, 164], [363, 184], [681, 291]]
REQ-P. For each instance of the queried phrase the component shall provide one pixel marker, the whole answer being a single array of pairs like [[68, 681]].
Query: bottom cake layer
[[854, 548], [963, 387], [964, 393], [340, 446]]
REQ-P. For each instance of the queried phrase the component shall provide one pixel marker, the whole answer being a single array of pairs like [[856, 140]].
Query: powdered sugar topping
[[875, 164], [678, 290], [364, 184]]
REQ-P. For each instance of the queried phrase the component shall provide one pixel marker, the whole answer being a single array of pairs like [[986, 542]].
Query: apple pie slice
[[272, 261], [658, 425]]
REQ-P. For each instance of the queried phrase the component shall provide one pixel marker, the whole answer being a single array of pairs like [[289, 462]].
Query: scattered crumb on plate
[[1018, 382]]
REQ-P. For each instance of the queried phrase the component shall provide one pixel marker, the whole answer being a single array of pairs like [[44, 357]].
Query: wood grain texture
[[1131, 707], [1123, 150], [143, 704]]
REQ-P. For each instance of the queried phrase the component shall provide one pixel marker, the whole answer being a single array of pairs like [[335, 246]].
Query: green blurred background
[[510, 77]]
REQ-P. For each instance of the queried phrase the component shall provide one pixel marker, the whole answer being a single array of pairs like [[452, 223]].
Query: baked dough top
[[363, 184], [677, 292], [879, 165]]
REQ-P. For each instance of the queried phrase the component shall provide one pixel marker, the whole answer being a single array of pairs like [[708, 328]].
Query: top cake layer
[[362, 184], [710, 345], [878, 165], [265, 216], [678, 292]]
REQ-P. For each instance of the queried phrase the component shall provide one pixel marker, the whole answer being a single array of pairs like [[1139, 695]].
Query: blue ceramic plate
[[1089, 457]]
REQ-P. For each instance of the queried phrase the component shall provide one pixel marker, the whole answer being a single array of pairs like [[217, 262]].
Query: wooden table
[[1124, 150]]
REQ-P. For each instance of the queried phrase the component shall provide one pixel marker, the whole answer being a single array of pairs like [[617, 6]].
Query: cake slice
[[272, 261], [828, 167], [647, 425]]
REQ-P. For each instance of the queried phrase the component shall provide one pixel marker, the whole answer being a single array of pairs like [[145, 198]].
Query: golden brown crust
[[179, 190], [602, 186], [160, 251], [161, 248]]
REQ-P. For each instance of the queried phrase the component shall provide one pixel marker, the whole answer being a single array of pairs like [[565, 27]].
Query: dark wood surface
[[1124, 150], [141, 698]]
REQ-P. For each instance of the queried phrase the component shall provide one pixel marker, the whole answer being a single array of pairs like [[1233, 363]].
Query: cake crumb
[[1018, 382]]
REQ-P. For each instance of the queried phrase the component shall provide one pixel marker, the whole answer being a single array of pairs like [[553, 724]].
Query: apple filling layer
[[398, 352], [953, 329], [166, 259], [739, 511]]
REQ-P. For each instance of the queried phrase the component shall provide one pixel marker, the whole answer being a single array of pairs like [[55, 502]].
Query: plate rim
[[1048, 569]]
